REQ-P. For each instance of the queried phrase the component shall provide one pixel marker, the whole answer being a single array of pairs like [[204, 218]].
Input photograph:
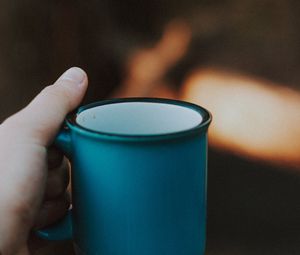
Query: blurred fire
[[251, 117], [147, 67]]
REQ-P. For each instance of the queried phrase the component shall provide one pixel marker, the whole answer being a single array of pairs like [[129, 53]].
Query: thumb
[[41, 119]]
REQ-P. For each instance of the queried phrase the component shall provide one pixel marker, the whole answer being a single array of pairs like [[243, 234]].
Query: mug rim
[[71, 122]]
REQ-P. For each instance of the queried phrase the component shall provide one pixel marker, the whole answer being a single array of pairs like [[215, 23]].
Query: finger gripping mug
[[138, 178]]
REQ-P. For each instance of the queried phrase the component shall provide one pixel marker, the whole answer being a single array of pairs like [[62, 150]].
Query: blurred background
[[238, 58]]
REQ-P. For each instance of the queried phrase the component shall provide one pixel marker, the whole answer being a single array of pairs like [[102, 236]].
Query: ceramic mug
[[139, 170]]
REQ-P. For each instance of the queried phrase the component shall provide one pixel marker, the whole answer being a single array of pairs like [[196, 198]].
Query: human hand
[[33, 174]]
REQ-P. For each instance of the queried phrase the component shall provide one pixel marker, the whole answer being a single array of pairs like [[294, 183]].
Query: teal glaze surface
[[136, 195]]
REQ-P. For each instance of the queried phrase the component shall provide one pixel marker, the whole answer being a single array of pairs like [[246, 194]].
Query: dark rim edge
[[207, 118]]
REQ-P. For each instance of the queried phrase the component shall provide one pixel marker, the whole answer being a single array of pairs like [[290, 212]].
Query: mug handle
[[61, 230]]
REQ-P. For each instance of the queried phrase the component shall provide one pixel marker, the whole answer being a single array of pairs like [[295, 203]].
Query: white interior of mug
[[139, 118]]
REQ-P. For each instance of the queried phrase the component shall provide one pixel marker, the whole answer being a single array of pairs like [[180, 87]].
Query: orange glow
[[251, 117], [147, 67]]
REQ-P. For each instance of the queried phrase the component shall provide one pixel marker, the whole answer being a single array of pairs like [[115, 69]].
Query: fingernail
[[74, 74]]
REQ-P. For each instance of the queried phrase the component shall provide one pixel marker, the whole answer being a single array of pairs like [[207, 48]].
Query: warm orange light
[[251, 117], [147, 67]]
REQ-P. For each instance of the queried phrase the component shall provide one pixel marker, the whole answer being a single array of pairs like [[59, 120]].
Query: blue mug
[[139, 170]]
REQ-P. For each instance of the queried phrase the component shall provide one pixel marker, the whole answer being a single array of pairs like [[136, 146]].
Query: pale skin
[[34, 175]]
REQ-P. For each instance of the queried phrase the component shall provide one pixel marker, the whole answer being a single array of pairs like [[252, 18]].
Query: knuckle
[[57, 183], [55, 187], [51, 211], [58, 93]]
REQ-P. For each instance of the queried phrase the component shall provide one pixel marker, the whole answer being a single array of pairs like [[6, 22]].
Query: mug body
[[139, 194]]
